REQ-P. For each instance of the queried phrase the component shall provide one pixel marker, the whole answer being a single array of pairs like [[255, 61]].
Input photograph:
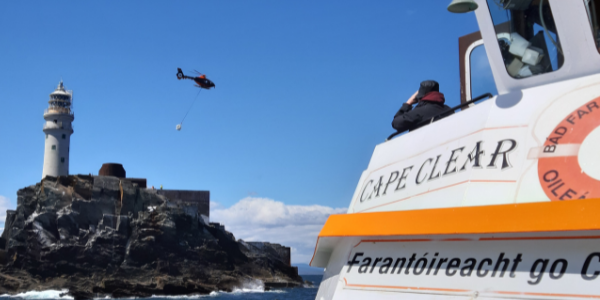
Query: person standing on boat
[[430, 103]]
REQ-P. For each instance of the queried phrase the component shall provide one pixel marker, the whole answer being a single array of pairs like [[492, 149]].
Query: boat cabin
[[500, 199], [531, 43]]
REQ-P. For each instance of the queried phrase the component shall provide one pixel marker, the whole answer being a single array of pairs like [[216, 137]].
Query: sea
[[256, 292]]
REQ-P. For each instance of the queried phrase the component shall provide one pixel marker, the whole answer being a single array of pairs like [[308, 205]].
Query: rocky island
[[103, 236]]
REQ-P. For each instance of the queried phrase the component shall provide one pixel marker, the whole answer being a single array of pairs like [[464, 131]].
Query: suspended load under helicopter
[[201, 81]]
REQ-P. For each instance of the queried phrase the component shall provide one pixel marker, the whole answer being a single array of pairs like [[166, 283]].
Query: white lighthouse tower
[[58, 130]]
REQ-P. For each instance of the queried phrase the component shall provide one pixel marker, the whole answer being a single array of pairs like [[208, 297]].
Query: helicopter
[[201, 80]]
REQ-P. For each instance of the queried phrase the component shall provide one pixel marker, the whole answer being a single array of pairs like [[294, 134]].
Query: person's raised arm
[[413, 99], [407, 106], [404, 118]]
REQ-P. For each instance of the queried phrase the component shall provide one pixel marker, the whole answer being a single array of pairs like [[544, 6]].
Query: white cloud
[[267, 220]]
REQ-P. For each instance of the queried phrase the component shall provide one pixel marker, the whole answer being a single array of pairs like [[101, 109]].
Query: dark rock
[[81, 295], [104, 236], [9, 283]]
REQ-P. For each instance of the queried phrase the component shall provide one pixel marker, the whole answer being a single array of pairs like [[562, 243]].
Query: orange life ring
[[560, 175]]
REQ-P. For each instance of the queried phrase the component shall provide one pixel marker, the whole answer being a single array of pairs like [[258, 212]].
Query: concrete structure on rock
[[192, 202], [285, 253], [58, 130], [117, 170]]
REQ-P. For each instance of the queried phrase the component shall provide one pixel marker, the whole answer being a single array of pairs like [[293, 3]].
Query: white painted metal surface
[[514, 266], [443, 172], [513, 148]]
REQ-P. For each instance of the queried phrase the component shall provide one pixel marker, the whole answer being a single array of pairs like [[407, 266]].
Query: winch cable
[[188, 111]]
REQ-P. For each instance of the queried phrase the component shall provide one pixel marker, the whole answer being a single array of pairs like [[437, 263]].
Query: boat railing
[[443, 114]]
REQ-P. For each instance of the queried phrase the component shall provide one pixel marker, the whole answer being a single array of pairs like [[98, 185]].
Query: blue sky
[[305, 90]]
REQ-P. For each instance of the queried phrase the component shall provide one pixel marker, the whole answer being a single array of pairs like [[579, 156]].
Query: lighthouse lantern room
[[58, 130]]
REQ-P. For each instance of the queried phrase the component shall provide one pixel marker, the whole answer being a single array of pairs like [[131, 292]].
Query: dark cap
[[426, 87]]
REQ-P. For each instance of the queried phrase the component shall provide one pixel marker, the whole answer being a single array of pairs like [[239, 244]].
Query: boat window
[[592, 6], [530, 44], [482, 79]]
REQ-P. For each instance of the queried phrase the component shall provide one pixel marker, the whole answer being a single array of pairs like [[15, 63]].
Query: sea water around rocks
[[308, 292]]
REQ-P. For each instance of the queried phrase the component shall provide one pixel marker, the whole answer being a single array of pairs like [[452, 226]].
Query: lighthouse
[[58, 130]]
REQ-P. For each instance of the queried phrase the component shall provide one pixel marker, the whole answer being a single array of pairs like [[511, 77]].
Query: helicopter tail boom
[[180, 75]]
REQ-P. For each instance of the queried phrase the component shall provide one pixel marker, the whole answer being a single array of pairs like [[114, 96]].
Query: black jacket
[[430, 106]]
